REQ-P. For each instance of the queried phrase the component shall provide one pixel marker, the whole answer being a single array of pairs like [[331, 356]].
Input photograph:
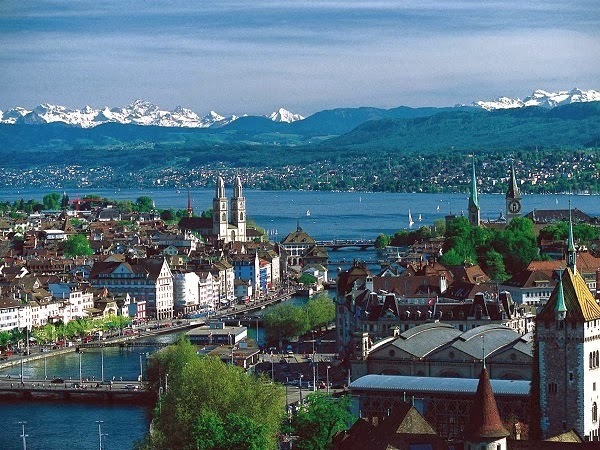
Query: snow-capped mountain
[[138, 112], [541, 98], [283, 115]]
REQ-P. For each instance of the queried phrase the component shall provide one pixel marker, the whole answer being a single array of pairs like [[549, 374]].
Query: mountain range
[[327, 122]]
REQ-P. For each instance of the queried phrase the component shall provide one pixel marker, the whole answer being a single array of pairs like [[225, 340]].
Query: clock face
[[514, 206]]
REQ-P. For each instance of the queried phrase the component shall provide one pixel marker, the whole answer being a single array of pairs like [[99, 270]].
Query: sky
[[236, 56]]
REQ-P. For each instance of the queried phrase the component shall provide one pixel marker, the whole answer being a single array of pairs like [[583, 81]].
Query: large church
[[224, 229]]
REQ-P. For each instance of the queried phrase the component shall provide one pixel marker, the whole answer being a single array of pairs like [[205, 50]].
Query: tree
[[321, 417], [382, 241], [50, 201], [207, 214], [320, 311], [167, 215], [307, 279], [285, 321], [494, 266], [209, 404], [77, 245], [144, 204], [64, 201]]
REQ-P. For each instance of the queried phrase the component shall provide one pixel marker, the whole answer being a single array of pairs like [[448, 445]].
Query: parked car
[[57, 380]]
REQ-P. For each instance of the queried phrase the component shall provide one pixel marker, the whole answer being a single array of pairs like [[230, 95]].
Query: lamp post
[[22, 370], [272, 368], [141, 368], [166, 382], [300, 387], [314, 366], [45, 371], [23, 435], [102, 363], [328, 367], [99, 422], [80, 376]]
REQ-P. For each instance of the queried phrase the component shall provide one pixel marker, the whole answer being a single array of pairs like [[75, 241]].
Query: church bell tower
[[238, 211], [220, 212], [474, 210], [513, 198]]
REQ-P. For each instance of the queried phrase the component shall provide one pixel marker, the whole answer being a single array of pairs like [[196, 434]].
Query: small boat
[[420, 218], [438, 207], [308, 213], [411, 222]]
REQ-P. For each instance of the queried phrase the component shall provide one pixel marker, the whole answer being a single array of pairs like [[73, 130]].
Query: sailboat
[[420, 218], [308, 213], [438, 208], [411, 222]]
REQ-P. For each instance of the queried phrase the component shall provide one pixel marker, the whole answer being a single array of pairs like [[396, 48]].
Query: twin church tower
[[513, 200], [225, 230]]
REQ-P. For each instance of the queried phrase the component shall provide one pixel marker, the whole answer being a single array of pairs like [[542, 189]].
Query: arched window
[[591, 360], [594, 412]]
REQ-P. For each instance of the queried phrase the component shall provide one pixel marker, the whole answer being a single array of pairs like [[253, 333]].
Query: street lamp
[[80, 376], [45, 371], [300, 387], [23, 435], [99, 422], [328, 367], [102, 363], [166, 382], [141, 368]]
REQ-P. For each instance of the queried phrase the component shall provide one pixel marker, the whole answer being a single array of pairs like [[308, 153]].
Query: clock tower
[[513, 198]]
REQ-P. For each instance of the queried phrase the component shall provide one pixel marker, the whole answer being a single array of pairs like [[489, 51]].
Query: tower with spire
[[238, 211], [220, 212], [513, 197], [190, 211], [474, 210], [568, 341], [571, 252]]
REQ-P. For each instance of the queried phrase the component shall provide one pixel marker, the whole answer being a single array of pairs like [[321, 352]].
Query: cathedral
[[224, 229]]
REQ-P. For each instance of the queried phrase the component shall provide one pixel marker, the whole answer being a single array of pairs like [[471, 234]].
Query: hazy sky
[[255, 56]]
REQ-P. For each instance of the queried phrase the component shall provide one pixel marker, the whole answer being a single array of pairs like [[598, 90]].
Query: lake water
[[334, 215]]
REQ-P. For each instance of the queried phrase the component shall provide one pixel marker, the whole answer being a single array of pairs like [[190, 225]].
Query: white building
[[185, 291], [14, 314]]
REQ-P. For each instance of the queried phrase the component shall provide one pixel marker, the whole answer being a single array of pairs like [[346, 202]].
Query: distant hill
[[574, 125]]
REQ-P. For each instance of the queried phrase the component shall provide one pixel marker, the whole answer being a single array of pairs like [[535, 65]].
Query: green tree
[[5, 337], [207, 214], [77, 245], [320, 311], [144, 204], [382, 241], [494, 266], [307, 279], [64, 201], [284, 322], [207, 399], [50, 201], [321, 417]]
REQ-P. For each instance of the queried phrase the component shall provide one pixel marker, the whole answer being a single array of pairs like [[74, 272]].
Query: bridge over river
[[337, 244]]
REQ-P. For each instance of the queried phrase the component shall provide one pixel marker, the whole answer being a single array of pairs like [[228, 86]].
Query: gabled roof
[[579, 301], [298, 237]]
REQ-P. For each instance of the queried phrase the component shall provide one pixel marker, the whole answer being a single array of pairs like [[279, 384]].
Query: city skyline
[[307, 56]]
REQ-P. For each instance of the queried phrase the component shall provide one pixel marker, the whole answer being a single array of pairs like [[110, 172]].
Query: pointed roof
[[484, 421], [577, 298], [513, 188], [473, 198]]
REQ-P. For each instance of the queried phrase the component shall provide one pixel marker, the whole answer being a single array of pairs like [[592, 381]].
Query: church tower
[[238, 211], [513, 198], [474, 211], [568, 341], [220, 212]]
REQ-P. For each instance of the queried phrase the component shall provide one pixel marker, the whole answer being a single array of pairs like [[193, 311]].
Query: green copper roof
[[473, 197]]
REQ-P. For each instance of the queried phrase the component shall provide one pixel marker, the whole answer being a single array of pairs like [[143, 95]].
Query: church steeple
[[190, 211], [560, 309], [474, 211], [513, 197], [571, 252]]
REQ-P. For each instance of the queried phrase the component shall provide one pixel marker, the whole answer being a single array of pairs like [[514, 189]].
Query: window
[[594, 412], [552, 388]]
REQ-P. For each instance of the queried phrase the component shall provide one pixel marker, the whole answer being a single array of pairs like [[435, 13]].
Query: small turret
[[560, 309], [474, 211]]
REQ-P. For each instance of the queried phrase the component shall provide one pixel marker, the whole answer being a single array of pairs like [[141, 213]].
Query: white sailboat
[[308, 213], [411, 222], [420, 218]]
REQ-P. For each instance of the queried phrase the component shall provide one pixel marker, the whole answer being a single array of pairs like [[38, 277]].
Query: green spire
[[560, 309], [571, 253], [473, 198]]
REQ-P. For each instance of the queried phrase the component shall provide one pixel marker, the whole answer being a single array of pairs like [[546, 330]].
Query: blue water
[[334, 215], [59, 426]]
